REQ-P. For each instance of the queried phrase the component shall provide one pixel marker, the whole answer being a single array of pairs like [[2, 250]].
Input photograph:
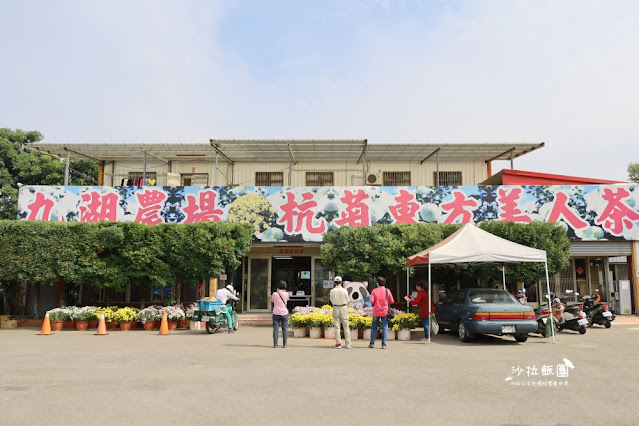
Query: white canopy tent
[[470, 245]]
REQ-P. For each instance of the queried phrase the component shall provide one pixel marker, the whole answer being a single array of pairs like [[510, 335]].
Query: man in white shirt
[[339, 299], [223, 295]]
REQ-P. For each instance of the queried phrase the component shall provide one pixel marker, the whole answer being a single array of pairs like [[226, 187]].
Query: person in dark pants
[[425, 309], [280, 313]]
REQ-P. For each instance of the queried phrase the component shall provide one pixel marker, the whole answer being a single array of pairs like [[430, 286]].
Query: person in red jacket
[[425, 309]]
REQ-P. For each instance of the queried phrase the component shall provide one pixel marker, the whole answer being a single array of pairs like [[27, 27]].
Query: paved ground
[[191, 377]]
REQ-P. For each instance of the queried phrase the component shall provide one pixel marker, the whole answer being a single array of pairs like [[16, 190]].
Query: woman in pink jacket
[[381, 298]]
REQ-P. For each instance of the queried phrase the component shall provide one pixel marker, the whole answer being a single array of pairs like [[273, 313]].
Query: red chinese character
[[205, 211], [356, 213], [458, 207], [509, 208], [405, 209], [100, 207], [41, 202], [297, 216], [617, 213], [560, 208], [150, 206]]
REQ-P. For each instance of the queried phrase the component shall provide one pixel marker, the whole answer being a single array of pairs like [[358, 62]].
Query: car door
[[457, 306], [442, 312]]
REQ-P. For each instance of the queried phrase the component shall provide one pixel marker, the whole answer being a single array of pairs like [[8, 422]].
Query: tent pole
[[429, 297], [407, 290], [503, 275], [552, 328]]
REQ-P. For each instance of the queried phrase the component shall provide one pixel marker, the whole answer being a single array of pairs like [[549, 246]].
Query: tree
[[19, 164], [633, 172], [362, 252]]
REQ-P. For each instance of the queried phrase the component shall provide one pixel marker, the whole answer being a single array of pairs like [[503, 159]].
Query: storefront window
[[321, 291]]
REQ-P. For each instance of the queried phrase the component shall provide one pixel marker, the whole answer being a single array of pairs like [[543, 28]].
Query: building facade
[[294, 191]]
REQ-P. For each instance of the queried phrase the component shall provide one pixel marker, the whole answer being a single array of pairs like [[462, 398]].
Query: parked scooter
[[541, 315], [574, 319], [597, 313]]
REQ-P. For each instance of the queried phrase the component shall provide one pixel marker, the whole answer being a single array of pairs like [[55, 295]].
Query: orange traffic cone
[[101, 326], [46, 326], [164, 326]]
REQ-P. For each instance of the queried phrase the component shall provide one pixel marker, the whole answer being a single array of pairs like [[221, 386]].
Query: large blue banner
[[592, 212]]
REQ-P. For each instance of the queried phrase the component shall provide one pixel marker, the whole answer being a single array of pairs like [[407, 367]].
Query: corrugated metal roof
[[281, 150]]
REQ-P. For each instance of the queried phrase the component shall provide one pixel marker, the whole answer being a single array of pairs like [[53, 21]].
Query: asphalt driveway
[[192, 377]]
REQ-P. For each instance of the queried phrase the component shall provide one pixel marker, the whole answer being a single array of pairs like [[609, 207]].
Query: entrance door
[[259, 284]]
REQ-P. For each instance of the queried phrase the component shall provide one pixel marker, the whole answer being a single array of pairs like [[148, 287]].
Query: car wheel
[[521, 337], [464, 336], [582, 330], [607, 324]]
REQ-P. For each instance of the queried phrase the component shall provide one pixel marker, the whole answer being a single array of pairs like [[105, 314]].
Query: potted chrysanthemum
[[125, 317], [366, 325], [403, 323], [173, 315], [299, 322], [316, 325], [148, 316], [81, 316], [57, 316]]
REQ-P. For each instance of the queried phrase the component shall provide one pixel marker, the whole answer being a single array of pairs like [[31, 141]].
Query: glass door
[[259, 284]]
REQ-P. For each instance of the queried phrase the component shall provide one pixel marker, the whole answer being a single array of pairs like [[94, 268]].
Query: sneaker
[[423, 339], [372, 345], [275, 346], [348, 346], [231, 331], [383, 346], [338, 346], [284, 346]]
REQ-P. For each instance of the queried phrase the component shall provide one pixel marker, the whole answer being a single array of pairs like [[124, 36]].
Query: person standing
[[223, 295], [425, 308], [381, 299], [280, 313], [339, 299]]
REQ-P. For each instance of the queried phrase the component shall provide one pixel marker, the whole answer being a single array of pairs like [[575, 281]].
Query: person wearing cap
[[339, 299], [223, 295]]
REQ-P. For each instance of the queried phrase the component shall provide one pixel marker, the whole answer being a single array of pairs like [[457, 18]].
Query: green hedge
[[112, 254]]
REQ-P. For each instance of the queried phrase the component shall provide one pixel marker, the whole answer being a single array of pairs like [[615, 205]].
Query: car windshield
[[490, 296]]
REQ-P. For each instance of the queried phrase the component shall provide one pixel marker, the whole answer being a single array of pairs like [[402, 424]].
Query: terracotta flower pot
[[181, 324], [125, 325], [148, 326], [111, 325], [93, 324], [57, 325], [172, 325], [81, 325], [156, 324], [69, 325], [134, 325]]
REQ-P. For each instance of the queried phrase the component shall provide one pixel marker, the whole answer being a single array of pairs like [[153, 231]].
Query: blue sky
[[389, 71]]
